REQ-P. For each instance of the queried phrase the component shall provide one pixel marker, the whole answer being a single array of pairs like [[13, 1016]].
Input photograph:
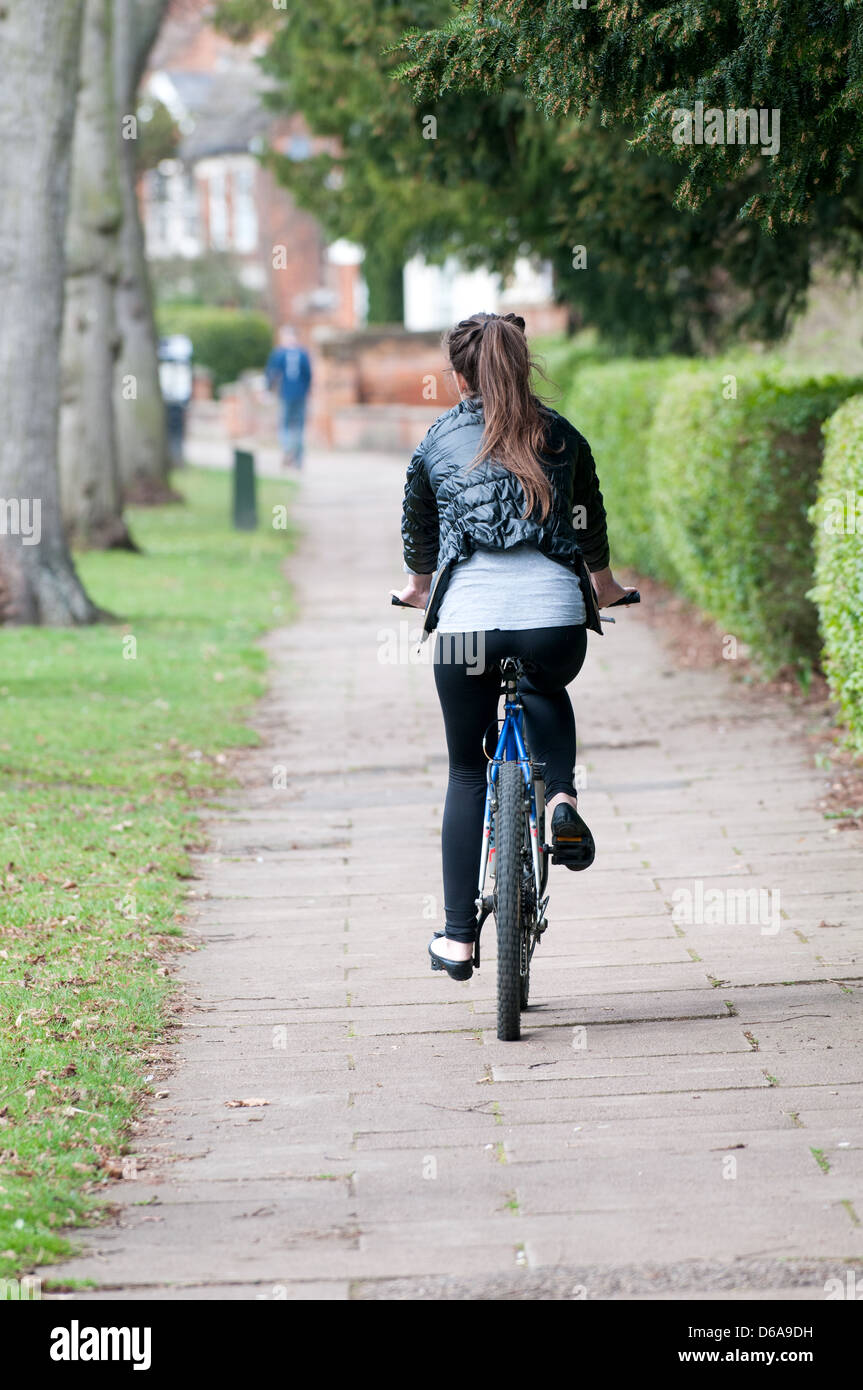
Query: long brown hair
[[490, 351]]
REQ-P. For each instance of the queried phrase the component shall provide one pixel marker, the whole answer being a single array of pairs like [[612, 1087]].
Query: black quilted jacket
[[450, 510]]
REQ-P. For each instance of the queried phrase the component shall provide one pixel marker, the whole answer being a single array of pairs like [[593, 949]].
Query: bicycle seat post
[[511, 671]]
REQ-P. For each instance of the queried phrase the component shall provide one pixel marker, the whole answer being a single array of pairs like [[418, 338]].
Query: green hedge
[[710, 473], [838, 592], [560, 358], [732, 482], [613, 407], [227, 341]]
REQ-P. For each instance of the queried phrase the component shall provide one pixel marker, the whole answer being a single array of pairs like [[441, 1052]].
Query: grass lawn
[[109, 738]]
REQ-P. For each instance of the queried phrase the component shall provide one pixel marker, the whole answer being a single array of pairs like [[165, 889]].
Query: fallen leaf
[[244, 1104]]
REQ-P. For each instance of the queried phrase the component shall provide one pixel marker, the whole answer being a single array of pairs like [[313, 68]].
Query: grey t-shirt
[[510, 590]]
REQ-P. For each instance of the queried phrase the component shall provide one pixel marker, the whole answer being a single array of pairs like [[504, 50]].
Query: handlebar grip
[[634, 597]]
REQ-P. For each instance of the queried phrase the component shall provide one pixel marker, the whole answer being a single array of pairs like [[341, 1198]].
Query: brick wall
[[376, 387]]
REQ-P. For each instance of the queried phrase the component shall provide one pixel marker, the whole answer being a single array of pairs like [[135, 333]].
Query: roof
[[224, 109]]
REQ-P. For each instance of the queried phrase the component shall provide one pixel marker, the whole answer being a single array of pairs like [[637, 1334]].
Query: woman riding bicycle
[[503, 526]]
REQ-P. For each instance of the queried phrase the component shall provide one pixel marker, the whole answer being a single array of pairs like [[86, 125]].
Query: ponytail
[[491, 353]]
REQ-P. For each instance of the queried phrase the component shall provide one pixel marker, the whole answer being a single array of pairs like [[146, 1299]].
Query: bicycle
[[514, 834]]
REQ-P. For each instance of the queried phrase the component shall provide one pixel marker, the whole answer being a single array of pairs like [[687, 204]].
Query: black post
[[245, 508]]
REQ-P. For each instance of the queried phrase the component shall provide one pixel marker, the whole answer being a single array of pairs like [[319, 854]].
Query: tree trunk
[[89, 476], [142, 441], [39, 46]]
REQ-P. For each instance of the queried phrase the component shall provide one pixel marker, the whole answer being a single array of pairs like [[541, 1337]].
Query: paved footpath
[[683, 1114]]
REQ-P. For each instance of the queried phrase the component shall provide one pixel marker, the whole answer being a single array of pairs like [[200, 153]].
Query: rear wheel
[[509, 843]]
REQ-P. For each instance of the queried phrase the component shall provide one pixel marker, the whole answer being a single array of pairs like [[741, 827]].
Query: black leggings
[[468, 681]]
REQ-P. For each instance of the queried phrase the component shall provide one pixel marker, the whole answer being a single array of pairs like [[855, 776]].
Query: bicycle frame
[[511, 748]]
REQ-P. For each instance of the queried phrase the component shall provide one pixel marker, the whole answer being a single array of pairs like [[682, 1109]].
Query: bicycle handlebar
[[633, 597]]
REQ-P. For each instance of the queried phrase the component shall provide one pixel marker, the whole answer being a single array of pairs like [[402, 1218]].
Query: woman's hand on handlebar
[[415, 594], [608, 591]]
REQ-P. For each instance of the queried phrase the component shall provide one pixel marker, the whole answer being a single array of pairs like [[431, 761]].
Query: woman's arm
[[593, 536], [420, 526], [608, 590], [416, 592], [589, 509]]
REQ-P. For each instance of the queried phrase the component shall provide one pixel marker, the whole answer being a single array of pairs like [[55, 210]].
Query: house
[[214, 196]]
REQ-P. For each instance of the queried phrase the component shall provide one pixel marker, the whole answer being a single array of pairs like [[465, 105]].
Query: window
[[245, 211], [219, 238]]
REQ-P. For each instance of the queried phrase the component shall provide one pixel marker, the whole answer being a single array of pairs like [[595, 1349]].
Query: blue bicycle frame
[[511, 748]]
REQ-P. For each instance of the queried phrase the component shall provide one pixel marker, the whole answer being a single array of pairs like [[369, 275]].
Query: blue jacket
[[291, 368]]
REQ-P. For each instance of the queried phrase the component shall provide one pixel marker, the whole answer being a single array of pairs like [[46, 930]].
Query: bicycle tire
[[509, 840]]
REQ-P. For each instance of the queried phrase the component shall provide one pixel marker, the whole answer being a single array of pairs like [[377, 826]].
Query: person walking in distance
[[289, 371]]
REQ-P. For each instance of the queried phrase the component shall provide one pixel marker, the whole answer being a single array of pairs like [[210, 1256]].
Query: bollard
[[245, 509]]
